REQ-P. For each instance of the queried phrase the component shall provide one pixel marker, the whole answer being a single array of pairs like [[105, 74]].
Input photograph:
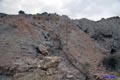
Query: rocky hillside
[[105, 32], [53, 47]]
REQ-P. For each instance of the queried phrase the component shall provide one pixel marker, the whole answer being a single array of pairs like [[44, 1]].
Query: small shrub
[[113, 50], [37, 50], [111, 62], [21, 12], [44, 13], [86, 30]]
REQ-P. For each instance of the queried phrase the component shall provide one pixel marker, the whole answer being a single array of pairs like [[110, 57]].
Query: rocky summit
[[53, 47]]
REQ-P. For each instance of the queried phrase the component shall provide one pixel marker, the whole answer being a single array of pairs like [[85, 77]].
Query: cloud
[[74, 9], [94, 9], [0, 0]]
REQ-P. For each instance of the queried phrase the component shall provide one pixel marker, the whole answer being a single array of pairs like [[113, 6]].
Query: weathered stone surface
[[49, 62], [43, 50], [69, 76], [105, 31], [34, 76]]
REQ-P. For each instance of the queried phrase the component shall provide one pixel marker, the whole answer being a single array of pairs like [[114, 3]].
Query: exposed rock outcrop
[[49, 62], [70, 50], [105, 32]]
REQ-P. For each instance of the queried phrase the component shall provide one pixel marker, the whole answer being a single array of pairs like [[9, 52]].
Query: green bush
[[21, 12], [111, 62]]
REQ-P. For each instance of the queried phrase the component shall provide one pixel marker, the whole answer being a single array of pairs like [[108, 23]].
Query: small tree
[[44, 13], [21, 12]]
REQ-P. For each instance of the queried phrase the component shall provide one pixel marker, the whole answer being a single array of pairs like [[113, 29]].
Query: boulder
[[43, 49], [69, 76], [49, 62]]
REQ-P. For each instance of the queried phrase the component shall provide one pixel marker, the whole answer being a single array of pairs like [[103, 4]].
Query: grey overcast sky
[[76, 9]]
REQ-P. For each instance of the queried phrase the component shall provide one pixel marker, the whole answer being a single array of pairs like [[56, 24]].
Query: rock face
[[105, 32], [70, 50]]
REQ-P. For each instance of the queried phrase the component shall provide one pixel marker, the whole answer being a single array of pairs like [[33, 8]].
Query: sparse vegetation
[[111, 62], [2, 15]]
